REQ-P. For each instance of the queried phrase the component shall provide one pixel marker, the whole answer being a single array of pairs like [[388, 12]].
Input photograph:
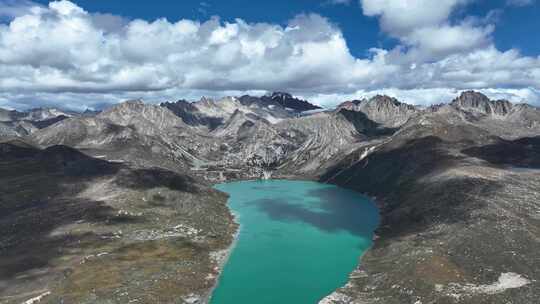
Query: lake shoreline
[[228, 251], [342, 212]]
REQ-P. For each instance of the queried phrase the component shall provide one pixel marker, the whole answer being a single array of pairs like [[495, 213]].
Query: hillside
[[457, 185]]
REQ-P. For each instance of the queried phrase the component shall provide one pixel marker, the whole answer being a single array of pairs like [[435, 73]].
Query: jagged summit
[[350, 105], [137, 101], [451, 169], [191, 115], [147, 118], [10, 115], [89, 112], [286, 100], [282, 95], [384, 110], [16, 123], [480, 103], [385, 100], [35, 114]]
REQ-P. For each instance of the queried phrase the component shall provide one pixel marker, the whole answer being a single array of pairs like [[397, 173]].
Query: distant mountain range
[[16, 123], [458, 183]]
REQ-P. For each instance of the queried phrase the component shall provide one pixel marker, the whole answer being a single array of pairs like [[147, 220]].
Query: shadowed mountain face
[[478, 103], [364, 125], [287, 101], [458, 208], [457, 185], [520, 153], [145, 135], [191, 115], [239, 137], [79, 229], [384, 110], [7, 115], [213, 113]]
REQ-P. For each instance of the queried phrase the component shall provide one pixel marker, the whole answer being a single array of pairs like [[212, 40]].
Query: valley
[[122, 199]]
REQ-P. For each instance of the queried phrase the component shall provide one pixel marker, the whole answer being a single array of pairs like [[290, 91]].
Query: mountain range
[[457, 185]]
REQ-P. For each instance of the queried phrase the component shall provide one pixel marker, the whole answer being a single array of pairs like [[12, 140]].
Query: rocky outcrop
[[458, 208], [147, 135], [478, 103], [191, 115], [43, 114], [499, 117], [384, 110], [14, 123], [287, 101], [147, 119], [457, 185], [16, 128], [7, 115], [319, 138]]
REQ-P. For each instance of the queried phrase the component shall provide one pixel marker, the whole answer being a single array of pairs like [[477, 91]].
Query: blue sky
[[89, 53], [514, 25]]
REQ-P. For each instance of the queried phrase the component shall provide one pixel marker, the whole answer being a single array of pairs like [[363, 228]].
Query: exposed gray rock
[[191, 115], [14, 123], [16, 128], [7, 115], [457, 183], [146, 135], [475, 102], [41, 114], [384, 110], [460, 219], [287, 101]]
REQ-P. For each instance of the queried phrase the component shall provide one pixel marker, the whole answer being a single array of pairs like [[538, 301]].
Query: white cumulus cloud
[[62, 54]]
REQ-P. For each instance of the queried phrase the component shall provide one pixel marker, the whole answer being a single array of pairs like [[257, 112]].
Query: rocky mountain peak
[[179, 104], [350, 105], [385, 101], [205, 100], [125, 107], [90, 113], [502, 106], [280, 95], [288, 101], [23, 123], [10, 115], [191, 115], [347, 105], [477, 102], [472, 99], [384, 110], [148, 119], [137, 102]]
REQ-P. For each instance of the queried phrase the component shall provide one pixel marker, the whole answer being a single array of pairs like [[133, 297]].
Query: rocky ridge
[[77, 229], [287, 101], [384, 110], [15, 123], [456, 182], [459, 208]]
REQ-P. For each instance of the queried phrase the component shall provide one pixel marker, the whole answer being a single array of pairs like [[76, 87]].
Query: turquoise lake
[[298, 241]]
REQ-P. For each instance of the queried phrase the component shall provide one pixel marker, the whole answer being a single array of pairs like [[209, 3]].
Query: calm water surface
[[298, 241]]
